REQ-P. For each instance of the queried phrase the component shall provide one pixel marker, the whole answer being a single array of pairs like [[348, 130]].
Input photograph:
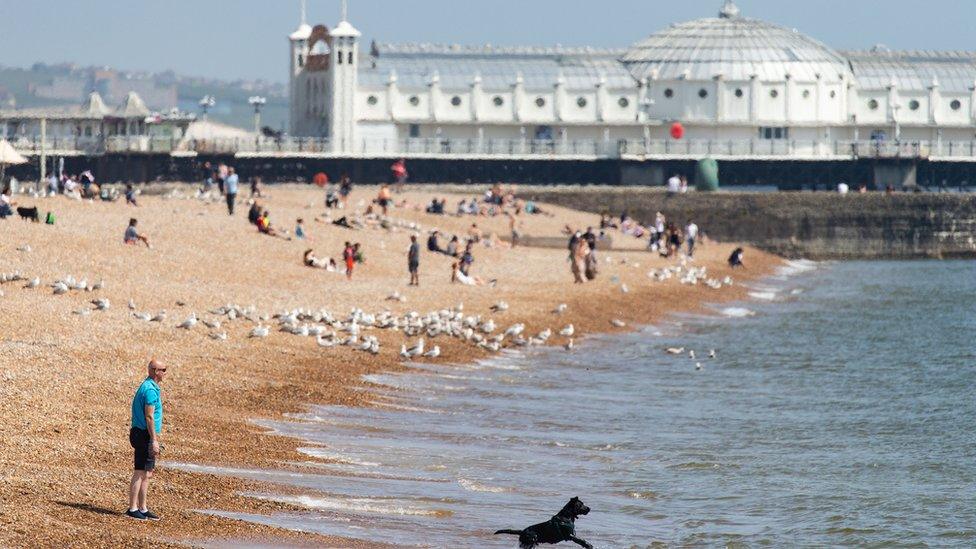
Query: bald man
[[147, 423]]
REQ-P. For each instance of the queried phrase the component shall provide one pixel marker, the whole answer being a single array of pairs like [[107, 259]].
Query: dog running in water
[[561, 527]]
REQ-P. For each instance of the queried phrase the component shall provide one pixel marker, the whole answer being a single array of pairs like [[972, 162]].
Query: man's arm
[[151, 427]]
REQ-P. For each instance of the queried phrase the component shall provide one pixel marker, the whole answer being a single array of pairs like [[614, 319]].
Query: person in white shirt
[[691, 235], [6, 204], [843, 188], [674, 184]]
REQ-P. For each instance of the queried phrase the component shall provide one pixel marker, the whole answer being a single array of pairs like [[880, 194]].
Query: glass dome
[[734, 47]]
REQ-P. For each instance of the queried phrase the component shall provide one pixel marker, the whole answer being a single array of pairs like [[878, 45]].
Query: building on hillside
[[740, 83]]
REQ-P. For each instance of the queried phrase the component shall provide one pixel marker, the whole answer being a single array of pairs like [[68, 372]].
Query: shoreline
[[209, 403]]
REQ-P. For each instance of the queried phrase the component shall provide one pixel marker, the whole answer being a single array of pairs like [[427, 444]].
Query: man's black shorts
[[140, 441]]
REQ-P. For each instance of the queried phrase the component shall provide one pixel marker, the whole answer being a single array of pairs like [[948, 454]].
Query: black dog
[[29, 213], [561, 527]]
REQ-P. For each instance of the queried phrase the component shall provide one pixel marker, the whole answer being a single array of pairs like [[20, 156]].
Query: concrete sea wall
[[808, 225]]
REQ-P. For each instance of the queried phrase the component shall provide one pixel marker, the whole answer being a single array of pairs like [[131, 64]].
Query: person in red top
[[349, 256], [399, 169]]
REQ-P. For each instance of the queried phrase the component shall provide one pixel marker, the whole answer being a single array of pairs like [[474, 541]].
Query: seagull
[[25, 248], [395, 296], [101, 304], [417, 349], [499, 307], [569, 345], [189, 322], [99, 285], [404, 353], [711, 354], [560, 309], [82, 312], [325, 342], [515, 330], [691, 354], [180, 303], [222, 336], [675, 350], [698, 366], [259, 331], [160, 316], [624, 288], [212, 324], [132, 305], [618, 323], [568, 331], [60, 288], [142, 316], [35, 282], [433, 353]]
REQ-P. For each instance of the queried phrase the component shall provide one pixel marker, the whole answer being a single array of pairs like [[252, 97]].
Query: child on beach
[[132, 236], [300, 229], [349, 257]]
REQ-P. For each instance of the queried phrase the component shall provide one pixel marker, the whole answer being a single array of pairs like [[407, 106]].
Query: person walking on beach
[[147, 424], [413, 261], [691, 235], [230, 189]]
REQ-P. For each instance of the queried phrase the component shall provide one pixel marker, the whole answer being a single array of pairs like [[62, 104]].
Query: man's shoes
[[138, 515], [149, 515]]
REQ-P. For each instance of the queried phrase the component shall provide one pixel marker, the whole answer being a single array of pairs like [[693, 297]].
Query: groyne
[[809, 225]]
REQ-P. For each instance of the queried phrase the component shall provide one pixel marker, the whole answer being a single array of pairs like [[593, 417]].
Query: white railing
[[504, 148]]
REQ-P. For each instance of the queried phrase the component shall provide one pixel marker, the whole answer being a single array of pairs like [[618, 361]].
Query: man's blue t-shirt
[[147, 395], [230, 184]]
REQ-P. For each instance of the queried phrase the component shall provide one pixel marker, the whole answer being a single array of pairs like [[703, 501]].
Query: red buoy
[[677, 130]]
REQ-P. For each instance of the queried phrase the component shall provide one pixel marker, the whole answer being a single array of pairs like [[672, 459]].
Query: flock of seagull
[[357, 329]]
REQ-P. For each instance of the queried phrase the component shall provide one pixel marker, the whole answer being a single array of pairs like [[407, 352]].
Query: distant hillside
[[50, 85]]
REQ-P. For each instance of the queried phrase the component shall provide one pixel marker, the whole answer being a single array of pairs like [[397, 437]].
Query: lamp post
[[207, 103], [257, 102]]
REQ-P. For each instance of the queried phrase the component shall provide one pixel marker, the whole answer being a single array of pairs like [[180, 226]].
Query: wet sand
[[66, 380]]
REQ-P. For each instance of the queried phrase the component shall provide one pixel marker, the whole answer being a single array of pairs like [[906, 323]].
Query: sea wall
[[810, 225]]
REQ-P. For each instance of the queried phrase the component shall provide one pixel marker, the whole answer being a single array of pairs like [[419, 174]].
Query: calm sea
[[840, 410]]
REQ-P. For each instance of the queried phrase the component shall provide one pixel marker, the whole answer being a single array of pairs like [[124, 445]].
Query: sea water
[[839, 411]]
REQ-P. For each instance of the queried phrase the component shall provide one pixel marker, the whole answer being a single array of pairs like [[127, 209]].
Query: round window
[[498, 101], [456, 101], [913, 104], [806, 94], [372, 100], [774, 93], [955, 105], [623, 102], [414, 100], [581, 102], [540, 102], [703, 93], [669, 93], [873, 104], [738, 92]]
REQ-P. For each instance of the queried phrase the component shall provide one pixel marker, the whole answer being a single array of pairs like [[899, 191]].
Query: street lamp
[[257, 102], [207, 103]]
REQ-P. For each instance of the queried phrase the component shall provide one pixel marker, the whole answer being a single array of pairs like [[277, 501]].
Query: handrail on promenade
[[437, 147]]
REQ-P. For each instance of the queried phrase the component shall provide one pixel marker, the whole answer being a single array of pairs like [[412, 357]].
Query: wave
[[765, 296], [737, 312], [355, 505], [473, 486], [337, 458], [796, 266]]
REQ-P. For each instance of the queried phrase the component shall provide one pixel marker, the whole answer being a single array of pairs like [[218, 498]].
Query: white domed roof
[[734, 47]]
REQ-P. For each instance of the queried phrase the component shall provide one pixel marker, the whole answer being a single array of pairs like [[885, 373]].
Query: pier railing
[[435, 147]]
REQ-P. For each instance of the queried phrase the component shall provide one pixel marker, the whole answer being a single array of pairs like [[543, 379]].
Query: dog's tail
[[513, 532]]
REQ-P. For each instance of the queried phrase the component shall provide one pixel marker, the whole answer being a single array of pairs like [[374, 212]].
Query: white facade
[[728, 78]]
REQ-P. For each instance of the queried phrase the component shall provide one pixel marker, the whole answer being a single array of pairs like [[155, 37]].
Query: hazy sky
[[247, 38]]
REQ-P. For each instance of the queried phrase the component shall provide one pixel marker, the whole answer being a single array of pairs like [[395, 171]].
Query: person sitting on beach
[[71, 188], [130, 195], [474, 233], [466, 259], [132, 236], [462, 208], [254, 213], [432, 244], [452, 247], [459, 276], [300, 229], [265, 227], [735, 260], [6, 204]]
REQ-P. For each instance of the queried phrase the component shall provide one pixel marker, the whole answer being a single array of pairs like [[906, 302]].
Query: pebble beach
[[68, 368]]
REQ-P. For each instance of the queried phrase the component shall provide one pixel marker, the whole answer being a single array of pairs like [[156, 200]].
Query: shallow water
[[838, 412]]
